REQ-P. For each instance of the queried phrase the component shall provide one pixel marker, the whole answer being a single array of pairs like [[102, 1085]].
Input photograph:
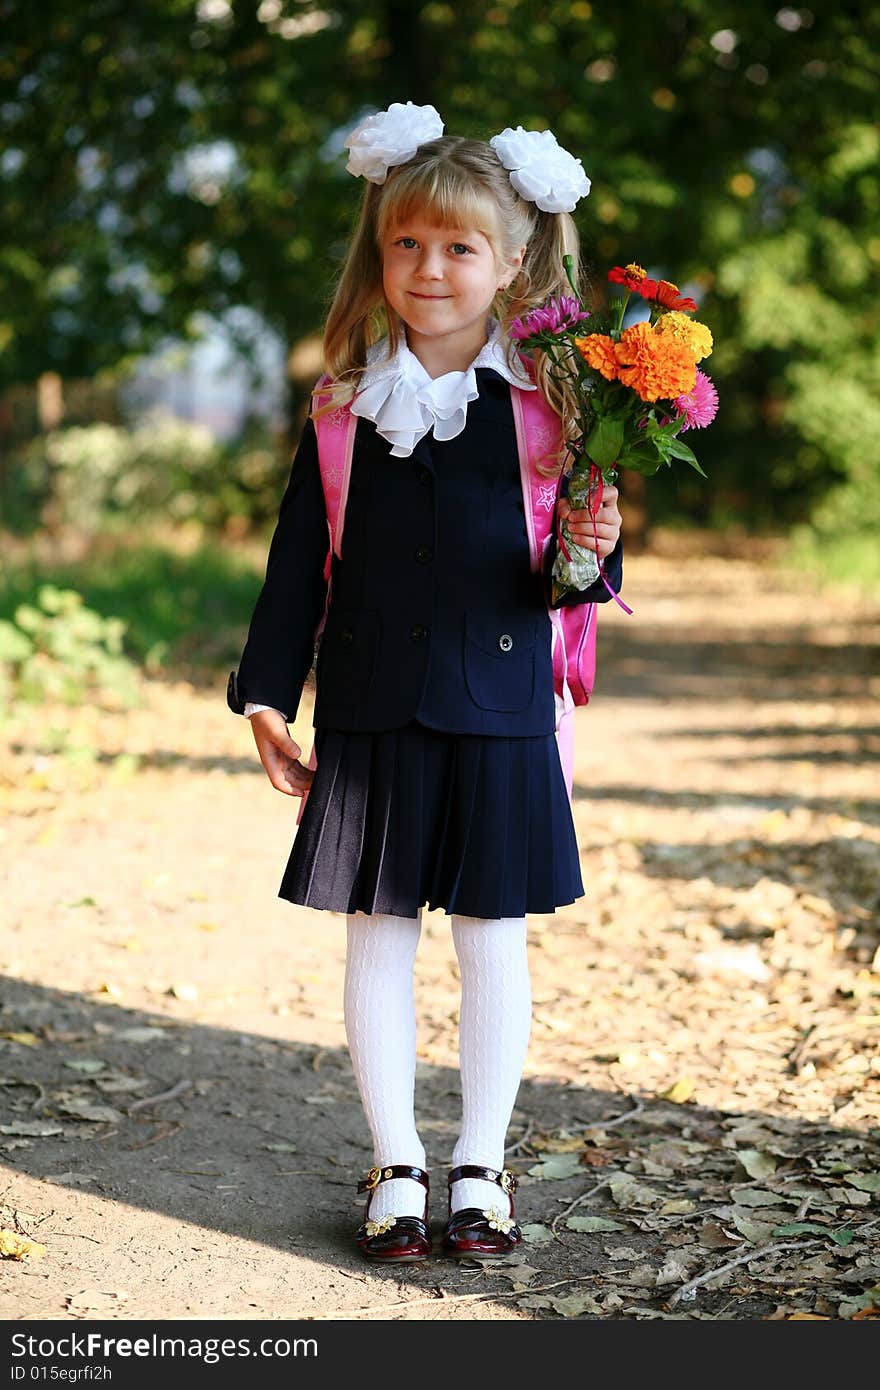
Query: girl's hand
[[580, 523], [279, 754]]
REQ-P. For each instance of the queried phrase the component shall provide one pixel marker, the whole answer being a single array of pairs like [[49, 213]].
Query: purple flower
[[700, 405], [554, 317]]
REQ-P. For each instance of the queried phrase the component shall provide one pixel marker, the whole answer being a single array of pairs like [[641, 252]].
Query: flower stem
[[568, 265]]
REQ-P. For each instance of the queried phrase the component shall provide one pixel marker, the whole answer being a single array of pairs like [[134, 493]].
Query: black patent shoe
[[398, 1238]]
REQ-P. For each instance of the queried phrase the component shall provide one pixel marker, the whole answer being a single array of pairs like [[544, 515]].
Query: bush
[[60, 650], [102, 476]]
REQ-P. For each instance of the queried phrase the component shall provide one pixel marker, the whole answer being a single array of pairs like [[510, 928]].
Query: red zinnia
[[632, 276], [670, 297]]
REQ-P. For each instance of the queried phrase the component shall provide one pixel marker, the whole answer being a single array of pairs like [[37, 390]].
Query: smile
[[416, 295]]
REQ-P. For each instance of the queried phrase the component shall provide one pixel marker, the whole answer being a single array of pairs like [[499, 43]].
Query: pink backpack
[[574, 629]]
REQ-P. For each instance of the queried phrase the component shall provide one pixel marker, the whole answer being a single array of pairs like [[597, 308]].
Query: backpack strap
[[537, 437], [335, 432]]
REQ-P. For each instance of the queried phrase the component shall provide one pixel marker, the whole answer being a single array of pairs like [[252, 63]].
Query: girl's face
[[441, 280]]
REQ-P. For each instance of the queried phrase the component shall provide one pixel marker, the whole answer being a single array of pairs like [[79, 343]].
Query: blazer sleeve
[[280, 645]]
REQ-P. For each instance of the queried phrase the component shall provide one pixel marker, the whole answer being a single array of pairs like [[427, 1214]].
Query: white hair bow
[[390, 137], [539, 168]]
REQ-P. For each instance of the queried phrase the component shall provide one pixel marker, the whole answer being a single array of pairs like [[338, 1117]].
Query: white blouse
[[405, 403]]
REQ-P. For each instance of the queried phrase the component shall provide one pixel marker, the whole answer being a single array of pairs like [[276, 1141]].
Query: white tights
[[380, 1024]]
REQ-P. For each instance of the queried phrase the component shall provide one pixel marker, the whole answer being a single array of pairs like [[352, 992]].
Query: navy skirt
[[480, 826]]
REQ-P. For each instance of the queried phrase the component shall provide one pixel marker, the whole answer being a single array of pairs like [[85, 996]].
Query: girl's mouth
[[416, 295]]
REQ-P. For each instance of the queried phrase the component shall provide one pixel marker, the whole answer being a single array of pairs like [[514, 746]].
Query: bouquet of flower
[[636, 390]]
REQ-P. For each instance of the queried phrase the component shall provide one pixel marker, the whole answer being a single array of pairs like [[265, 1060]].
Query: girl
[[438, 778]]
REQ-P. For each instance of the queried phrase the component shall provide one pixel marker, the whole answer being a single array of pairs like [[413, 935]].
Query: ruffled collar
[[405, 403]]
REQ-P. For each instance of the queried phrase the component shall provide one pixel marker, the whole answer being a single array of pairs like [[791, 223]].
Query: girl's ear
[[516, 264]]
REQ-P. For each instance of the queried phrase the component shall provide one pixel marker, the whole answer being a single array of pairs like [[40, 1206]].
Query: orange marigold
[[691, 332], [597, 350], [654, 364]]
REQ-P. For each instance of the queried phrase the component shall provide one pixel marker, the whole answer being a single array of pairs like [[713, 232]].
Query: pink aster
[[553, 317], [699, 405]]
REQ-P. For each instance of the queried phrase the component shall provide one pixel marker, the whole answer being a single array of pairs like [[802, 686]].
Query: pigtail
[[355, 319], [542, 277]]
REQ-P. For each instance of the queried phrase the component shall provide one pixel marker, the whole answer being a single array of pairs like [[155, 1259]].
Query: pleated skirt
[[479, 826]]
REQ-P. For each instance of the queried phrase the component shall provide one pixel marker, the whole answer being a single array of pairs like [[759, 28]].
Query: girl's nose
[[430, 266]]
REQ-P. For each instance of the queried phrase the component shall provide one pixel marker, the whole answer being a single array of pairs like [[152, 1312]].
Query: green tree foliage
[[186, 156]]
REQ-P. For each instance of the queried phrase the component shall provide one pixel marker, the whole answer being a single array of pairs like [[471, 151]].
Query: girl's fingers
[[284, 771]]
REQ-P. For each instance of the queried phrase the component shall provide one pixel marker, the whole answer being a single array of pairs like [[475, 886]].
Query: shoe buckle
[[373, 1179], [507, 1181]]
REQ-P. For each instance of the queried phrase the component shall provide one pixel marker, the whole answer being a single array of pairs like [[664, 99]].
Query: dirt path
[[715, 999]]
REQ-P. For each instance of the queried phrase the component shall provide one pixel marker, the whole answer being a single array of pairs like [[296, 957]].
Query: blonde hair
[[451, 181]]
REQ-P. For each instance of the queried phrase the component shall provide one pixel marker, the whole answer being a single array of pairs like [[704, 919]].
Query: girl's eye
[[456, 245]]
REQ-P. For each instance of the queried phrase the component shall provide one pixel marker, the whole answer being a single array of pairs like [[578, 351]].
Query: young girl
[[438, 778]]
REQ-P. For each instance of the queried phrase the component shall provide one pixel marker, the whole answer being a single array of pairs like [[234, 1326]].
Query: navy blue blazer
[[435, 613]]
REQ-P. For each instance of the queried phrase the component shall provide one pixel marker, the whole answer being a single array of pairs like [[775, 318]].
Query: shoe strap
[[392, 1170], [505, 1179]]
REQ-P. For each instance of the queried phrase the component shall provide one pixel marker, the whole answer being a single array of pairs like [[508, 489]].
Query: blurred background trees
[[175, 171]]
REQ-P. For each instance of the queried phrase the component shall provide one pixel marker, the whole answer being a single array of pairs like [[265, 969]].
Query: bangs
[[443, 196]]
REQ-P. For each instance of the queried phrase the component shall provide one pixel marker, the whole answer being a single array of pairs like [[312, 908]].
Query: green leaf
[[641, 458], [605, 440], [681, 451], [842, 1236]]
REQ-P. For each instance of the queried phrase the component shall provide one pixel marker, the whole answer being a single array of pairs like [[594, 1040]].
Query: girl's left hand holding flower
[[608, 523]]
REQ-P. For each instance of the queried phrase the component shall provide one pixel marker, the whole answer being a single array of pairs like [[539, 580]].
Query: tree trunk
[[408, 72]]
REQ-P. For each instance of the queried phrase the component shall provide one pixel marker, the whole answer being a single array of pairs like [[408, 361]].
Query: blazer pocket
[[499, 660], [347, 655]]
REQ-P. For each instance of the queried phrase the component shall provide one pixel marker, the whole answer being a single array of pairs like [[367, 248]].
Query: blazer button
[[425, 477], [505, 641], [418, 633], [346, 636], [424, 553]]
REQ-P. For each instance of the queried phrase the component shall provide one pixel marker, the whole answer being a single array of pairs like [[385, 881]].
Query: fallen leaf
[[712, 1237], [597, 1158], [865, 1182], [643, 1276], [628, 1192], [520, 1275], [755, 1197], [593, 1223], [677, 1206], [35, 1129], [86, 1110], [850, 1196], [681, 1091], [280, 1148], [23, 1039], [575, 1305], [140, 1034], [555, 1166], [16, 1247], [116, 1081], [562, 1143], [87, 1064], [675, 1268], [536, 1234], [756, 1163], [756, 1232]]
